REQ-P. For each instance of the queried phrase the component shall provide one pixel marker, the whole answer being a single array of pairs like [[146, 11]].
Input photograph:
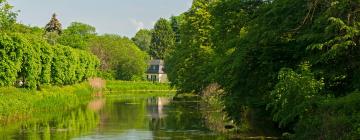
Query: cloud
[[138, 24]]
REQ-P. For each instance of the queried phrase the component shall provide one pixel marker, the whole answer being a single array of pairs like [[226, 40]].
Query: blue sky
[[123, 17]]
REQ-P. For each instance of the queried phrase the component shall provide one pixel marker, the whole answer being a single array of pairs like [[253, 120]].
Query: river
[[120, 116]]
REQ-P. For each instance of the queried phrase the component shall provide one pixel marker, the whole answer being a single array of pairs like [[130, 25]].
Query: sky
[[122, 17]]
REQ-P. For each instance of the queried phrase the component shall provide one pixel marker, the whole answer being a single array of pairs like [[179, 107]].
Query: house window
[[153, 78]]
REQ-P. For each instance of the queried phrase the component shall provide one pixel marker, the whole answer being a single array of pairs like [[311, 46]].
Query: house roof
[[156, 66], [156, 62]]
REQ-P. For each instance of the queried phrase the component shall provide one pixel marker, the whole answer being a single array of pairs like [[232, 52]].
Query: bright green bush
[[30, 59], [294, 95], [31, 62], [11, 53]]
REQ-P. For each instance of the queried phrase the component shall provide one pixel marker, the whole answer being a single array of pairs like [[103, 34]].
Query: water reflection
[[120, 117], [61, 127]]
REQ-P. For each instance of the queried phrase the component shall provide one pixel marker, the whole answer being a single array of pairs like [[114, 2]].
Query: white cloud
[[138, 24]]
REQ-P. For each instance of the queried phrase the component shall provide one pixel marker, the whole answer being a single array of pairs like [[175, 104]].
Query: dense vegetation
[[116, 86], [18, 104], [28, 60], [31, 56], [295, 61], [120, 58]]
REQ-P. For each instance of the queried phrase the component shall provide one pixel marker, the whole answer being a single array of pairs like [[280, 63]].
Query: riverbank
[[21, 104], [136, 86]]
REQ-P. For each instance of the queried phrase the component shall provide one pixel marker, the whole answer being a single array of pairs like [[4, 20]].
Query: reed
[[19, 104]]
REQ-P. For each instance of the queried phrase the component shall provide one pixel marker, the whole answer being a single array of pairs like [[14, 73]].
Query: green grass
[[19, 104], [116, 86]]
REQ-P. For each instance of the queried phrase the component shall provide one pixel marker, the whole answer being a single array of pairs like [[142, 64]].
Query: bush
[[337, 118], [294, 96], [31, 60]]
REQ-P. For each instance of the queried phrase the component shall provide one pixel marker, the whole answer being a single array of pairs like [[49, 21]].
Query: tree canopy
[[286, 58], [77, 35], [143, 39], [54, 25], [162, 39], [119, 56]]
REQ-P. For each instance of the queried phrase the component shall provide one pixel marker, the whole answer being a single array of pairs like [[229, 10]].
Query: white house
[[156, 71]]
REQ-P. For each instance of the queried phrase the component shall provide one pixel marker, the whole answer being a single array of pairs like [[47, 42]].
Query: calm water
[[119, 117]]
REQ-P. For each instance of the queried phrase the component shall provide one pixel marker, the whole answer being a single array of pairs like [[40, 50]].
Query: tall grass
[[18, 104], [116, 86]]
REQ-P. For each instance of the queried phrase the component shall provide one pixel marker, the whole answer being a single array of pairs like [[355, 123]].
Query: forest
[[295, 63], [292, 64]]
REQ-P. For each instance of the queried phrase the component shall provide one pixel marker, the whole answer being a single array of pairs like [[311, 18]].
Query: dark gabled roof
[[156, 67]]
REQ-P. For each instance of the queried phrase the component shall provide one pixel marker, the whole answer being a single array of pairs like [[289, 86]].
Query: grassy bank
[[19, 104], [116, 86]]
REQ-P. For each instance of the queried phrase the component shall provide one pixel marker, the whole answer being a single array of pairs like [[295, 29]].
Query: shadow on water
[[127, 116]]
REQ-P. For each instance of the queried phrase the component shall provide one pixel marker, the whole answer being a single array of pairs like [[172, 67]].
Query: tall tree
[[53, 30], [54, 25], [188, 65], [143, 39], [163, 39], [77, 35], [175, 25]]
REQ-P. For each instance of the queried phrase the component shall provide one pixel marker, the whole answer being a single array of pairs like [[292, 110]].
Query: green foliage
[[336, 118], [11, 57], [252, 49], [119, 56], [113, 86], [143, 39], [20, 103], [29, 59], [163, 39], [70, 65], [77, 35], [54, 25], [294, 95], [188, 63], [7, 17], [175, 22]]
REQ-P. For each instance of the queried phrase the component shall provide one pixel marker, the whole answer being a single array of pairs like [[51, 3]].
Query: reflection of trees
[[181, 114], [123, 114], [62, 127], [183, 121]]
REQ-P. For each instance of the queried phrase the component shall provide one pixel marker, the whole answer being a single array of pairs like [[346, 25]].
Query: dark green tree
[[175, 25], [163, 39], [143, 39], [53, 30], [54, 25], [188, 65]]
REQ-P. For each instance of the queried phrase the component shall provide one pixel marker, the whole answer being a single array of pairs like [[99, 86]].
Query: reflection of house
[[156, 106], [156, 72]]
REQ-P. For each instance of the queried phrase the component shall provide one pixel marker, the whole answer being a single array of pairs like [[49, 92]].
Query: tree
[[54, 25], [120, 57], [77, 35], [189, 64], [175, 25], [143, 39], [163, 39], [53, 30], [7, 17]]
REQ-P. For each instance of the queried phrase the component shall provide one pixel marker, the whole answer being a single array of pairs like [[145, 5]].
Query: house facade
[[156, 71]]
